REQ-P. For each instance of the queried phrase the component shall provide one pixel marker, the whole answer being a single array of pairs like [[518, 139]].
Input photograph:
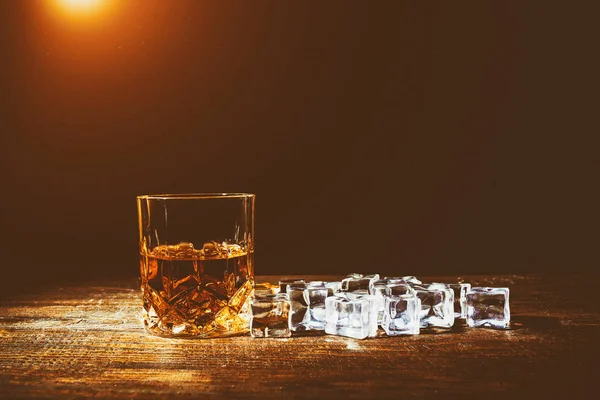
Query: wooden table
[[87, 341]]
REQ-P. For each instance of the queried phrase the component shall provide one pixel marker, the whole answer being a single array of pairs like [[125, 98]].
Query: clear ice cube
[[333, 288], [270, 316], [398, 289], [380, 284], [411, 280], [354, 275], [315, 294], [377, 288], [460, 298], [437, 305], [356, 282], [488, 307], [298, 305], [371, 276], [401, 315], [352, 315], [284, 284]]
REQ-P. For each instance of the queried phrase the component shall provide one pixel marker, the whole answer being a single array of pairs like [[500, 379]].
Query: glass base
[[236, 325]]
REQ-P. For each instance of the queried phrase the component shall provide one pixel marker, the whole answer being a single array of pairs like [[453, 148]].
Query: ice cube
[[411, 280], [315, 294], [358, 282], [165, 252], [333, 288], [354, 275], [284, 283], [270, 316], [398, 289], [264, 288], [364, 294], [401, 315], [437, 305], [298, 305], [183, 250], [377, 288], [380, 284], [211, 249], [460, 298], [229, 249], [488, 307], [352, 315]]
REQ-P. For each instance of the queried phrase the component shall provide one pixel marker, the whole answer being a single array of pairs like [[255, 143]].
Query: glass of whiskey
[[196, 263]]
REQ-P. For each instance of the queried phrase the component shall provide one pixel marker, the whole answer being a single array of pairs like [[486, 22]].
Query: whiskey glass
[[196, 263]]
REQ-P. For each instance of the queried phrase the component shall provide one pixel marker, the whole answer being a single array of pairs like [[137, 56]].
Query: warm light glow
[[80, 6]]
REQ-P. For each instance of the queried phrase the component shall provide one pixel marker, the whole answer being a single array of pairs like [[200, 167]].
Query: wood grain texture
[[88, 341]]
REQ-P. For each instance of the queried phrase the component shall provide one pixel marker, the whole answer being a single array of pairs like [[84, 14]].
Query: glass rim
[[194, 196]]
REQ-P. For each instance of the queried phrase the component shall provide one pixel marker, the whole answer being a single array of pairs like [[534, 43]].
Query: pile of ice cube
[[359, 304]]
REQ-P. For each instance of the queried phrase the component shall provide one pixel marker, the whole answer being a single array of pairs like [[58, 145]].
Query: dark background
[[396, 137]]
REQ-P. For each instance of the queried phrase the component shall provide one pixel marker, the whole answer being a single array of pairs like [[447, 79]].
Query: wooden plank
[[87, 341]]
